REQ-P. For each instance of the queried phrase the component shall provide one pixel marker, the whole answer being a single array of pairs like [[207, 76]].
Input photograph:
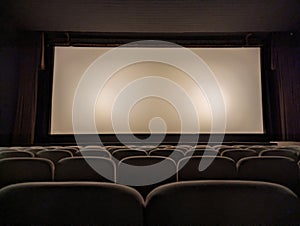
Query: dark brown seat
[[145, 173], [275, 169], [18, 170], [222, 203], [66, 203], [54, 155], [176, 155], [237, 154], [14, 154], [85, 169], [219, 168]]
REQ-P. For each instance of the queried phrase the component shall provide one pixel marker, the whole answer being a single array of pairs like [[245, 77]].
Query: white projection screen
[[236, 70]]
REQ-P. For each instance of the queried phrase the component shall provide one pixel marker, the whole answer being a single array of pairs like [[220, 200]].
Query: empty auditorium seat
[[52, 147], [74, 146], [89, 152], [54, 155], [11, 154], [17, 170], [165, 146], [71, 149], [222, 203], [9, 149], [176, 155], [279, 170], [93, 147], [65, 203], [259, 149], [222, 148], [85, 169], [145, 173], [19, 148], [202, 152], [183, 148], [35, 150], [280, 152], [219, 168], [237, 154], [242, 146], [123, 153], [202, 146], [111, 149], [290, 148]]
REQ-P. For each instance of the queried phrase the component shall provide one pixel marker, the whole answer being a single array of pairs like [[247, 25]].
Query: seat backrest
[[13, 154], [35, 150], [111, 149], [221, 203], [280, 152], [93, 147], [220, 168], [220, 149], [274, 169], [288, 148], [73, 146], [176, 155], [73, 150], [124, 153], [95, 153], [183, 148], [54, 155], [85, 169], [9, 149], [145, 173], [203, 152], [66, 203], [203, 146], [17, 170], [259, 149], [237, 154]]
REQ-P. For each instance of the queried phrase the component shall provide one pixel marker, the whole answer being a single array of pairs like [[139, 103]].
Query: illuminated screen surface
[[237, 72]]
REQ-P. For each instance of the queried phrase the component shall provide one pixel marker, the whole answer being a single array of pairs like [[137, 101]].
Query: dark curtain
[[29, 60], [285, 63]]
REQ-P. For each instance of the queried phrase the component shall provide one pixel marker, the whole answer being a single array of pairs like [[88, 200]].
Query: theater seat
[[259, 149], [34, 150], [237, 154], [13, 154], [202, 152], [83, 169], [54, 155], [145, 173], [222, 203], [281, 170], [123, 153], [280, 152], [220, 168], [18, 170], [176, 155], [65, 203], [9, 149], [71, 149], [94, 153]]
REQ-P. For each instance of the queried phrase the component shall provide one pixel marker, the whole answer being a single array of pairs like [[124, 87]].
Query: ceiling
[[152, 15]]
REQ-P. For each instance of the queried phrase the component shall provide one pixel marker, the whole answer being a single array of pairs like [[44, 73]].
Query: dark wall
[[285, 63], [8, 85], [283, 84]]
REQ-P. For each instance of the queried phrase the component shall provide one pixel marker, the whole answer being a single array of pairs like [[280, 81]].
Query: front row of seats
[[181, 203], [279, 170]]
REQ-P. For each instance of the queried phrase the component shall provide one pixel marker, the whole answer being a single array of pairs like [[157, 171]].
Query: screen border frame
[[45, 81]]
